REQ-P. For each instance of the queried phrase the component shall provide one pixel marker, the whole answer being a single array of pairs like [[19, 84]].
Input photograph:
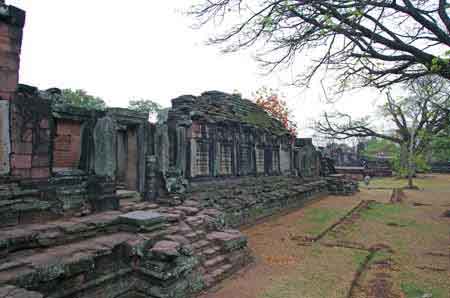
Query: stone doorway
[[127, 159]]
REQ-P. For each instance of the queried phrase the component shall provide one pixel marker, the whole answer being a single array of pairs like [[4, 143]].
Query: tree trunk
[[410, 165], [404, 158]]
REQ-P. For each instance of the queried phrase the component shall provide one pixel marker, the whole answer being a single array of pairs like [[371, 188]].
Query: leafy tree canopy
[[375, 147], [80, 98], [270, 100], [366, 42], [144, 105]]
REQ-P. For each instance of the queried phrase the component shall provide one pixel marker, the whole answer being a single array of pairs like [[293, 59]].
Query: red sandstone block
[[5, 95], [20, 161], [6, 44], [23, 173], [40, 172], [8, 80], [9, 61], [4, 30], [68, 128]]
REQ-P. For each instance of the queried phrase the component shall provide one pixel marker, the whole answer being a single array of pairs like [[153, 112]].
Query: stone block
[[14, 292], [40, 172], [105, 139], [5, 143], [8, 80], [231, 239], [142, 218], [21, 161], [166, 249]]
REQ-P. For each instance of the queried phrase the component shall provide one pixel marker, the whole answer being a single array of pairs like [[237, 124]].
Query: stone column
[[105, 141], [12, 21]]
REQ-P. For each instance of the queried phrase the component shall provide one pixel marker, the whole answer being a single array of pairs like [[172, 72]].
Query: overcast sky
[[120, 50]]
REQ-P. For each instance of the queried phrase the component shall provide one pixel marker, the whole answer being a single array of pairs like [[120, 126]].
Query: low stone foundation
[[244, 201], [145, 249]]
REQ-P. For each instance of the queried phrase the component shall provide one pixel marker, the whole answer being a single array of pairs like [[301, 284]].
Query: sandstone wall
[[246, 200], [67, 145]]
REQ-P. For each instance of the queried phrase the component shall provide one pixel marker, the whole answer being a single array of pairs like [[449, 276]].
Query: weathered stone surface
[[5, 145], [166, 249], [105, 140], [231, 239], [14, 292], [142, 218]]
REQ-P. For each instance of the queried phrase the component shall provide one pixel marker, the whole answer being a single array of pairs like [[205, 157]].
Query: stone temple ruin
[[107, 204]]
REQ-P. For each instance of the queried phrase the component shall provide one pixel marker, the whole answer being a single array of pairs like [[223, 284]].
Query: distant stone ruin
[[106, 204]]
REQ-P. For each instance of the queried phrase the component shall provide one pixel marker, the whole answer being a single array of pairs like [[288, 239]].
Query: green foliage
[[412, 290], [419, 160], [144, 105], [440, 147], [377, 146], [80, 98]]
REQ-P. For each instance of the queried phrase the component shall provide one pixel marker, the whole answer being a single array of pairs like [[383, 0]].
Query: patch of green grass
[[412, 290], [376, 211], [359, 257], [395, 182], [322, 215], [380, 256], [318, 219]]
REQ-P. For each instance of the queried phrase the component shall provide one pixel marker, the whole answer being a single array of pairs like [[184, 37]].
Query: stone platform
[[143, 249]]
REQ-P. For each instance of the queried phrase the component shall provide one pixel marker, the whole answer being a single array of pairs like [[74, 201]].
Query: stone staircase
[[141, 249]]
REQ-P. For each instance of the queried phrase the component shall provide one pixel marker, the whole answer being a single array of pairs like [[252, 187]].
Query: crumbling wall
[[246, 200], [12, 21], [67, 145], [30, 137]]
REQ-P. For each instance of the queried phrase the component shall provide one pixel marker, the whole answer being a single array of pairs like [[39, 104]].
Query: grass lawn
[[384, 250], [435, 182]]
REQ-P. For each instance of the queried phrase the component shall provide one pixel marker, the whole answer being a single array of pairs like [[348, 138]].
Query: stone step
[[212, 252], [201, 244], [214, 263], [129, 194], [57, 232], [70, 230], [217, 275], [45, 265], [195, 236]]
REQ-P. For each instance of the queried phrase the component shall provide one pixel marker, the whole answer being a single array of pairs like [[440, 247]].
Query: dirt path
[[380, 250]]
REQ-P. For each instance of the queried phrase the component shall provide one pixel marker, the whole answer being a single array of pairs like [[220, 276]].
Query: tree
[[80, 98], [376, 147], [144, 105], [276, 107], [367, 42], [419, 116], [440, 146]]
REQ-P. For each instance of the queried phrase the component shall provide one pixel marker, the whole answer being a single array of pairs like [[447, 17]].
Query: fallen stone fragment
[[142, 218]]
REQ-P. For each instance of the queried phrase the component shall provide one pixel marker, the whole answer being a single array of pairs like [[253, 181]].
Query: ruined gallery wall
[[227, 136]]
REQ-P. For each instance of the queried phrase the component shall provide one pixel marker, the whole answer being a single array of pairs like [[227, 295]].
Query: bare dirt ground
[[361, 246]]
